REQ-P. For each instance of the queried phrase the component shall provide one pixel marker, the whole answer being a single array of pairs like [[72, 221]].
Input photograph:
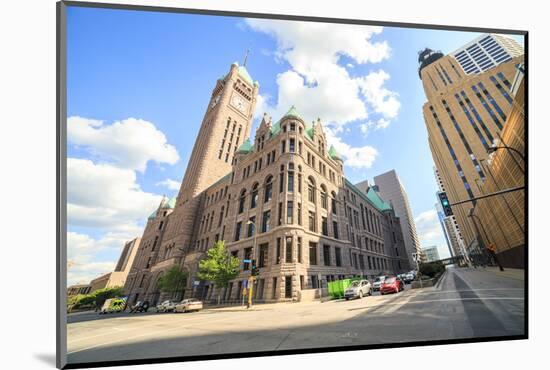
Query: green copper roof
[[170, 203], [378, 202], [333, 153], [371, 196], [152, 215], [246, 147], [292, 112], [244, 74], [276, 128]]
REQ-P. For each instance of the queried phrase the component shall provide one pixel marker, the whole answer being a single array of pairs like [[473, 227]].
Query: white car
[[187, 305], [358, 289], [167, 306], [377, 282]]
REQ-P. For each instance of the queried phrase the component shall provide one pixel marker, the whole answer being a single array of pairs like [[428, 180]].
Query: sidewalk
[[517, 274]]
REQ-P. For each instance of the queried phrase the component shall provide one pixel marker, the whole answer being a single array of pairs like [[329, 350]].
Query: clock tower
[[225, 126]]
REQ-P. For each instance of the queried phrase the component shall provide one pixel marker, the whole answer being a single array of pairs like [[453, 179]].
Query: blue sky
[[143, 79]]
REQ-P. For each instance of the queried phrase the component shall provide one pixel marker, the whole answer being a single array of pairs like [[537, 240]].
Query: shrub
[[431, 269]]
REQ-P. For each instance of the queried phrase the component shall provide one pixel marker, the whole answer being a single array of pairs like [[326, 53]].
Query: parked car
[[377, 282], [358, 289], [113, 305], [392, 284], [167, 306], [140, 307], [407, 277], [187, 305]]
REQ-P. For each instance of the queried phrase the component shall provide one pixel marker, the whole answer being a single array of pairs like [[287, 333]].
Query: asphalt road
[[466, 303]]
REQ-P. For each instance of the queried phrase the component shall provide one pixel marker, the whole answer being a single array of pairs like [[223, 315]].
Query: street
[[466, 303]]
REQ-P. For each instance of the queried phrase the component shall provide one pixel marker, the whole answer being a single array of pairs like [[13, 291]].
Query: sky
[[138, 84]]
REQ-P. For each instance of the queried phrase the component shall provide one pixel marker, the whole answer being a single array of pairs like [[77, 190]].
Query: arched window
[[333, 205], [290, 178], [241, 200], [324, 197], [311, 190], [268, 189], [254, 196]]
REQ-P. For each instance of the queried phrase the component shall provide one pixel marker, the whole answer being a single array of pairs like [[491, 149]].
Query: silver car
[[167, 306], [358, 289], [377, 282], [188, 305]]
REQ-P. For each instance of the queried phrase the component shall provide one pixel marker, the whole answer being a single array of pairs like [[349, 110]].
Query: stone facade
[[281, 199]]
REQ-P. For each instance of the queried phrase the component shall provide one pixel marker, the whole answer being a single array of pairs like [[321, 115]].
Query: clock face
[[239, 103]]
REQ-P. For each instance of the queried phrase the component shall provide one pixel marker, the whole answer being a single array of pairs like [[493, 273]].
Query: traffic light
[[445, 204], [255, 270]]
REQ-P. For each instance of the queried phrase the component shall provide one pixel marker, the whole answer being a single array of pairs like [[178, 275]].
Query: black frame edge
[[61, 255]]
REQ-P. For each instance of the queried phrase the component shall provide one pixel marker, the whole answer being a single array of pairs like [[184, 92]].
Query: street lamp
[[495, 148], [502, 145]]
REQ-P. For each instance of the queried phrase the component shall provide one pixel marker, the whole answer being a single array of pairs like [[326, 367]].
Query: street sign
[[196, 282]]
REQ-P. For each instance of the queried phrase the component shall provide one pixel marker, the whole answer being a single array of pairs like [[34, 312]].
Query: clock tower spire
[[225, 126]]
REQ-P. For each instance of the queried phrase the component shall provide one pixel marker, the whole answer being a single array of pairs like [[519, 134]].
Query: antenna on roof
[[246, 57]]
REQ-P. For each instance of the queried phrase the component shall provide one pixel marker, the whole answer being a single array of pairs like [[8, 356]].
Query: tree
[[173, 281], [219, 267]]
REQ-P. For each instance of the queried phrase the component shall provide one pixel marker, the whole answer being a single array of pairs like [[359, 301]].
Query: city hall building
[[280, 198]]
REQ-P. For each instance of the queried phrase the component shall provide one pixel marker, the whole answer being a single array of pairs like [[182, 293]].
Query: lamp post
[[503, 145]]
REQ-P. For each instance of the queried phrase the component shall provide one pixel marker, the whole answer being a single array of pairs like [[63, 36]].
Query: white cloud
[[430, 232], [356, 157], [105, 196], [366, 127], [129, 143], [319, 87], [381, 99], [169, 184], [82, 254]]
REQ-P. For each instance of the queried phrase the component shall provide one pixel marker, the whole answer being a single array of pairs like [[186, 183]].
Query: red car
[[391, 285]]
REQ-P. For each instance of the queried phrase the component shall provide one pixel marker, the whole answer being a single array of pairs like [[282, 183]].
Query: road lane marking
[[445, 300], [467, 290]]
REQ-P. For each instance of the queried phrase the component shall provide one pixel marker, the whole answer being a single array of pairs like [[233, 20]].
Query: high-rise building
[[280, 198], [431, 253], [449, 224], [392, 190], [465, 112], [486, 52]]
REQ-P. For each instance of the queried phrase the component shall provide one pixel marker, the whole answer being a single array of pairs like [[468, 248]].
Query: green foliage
[[431, 269], [219, 267], [173, 281], [96, 298]]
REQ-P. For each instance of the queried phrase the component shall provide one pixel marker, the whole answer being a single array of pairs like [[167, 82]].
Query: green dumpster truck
[[337, 288]]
